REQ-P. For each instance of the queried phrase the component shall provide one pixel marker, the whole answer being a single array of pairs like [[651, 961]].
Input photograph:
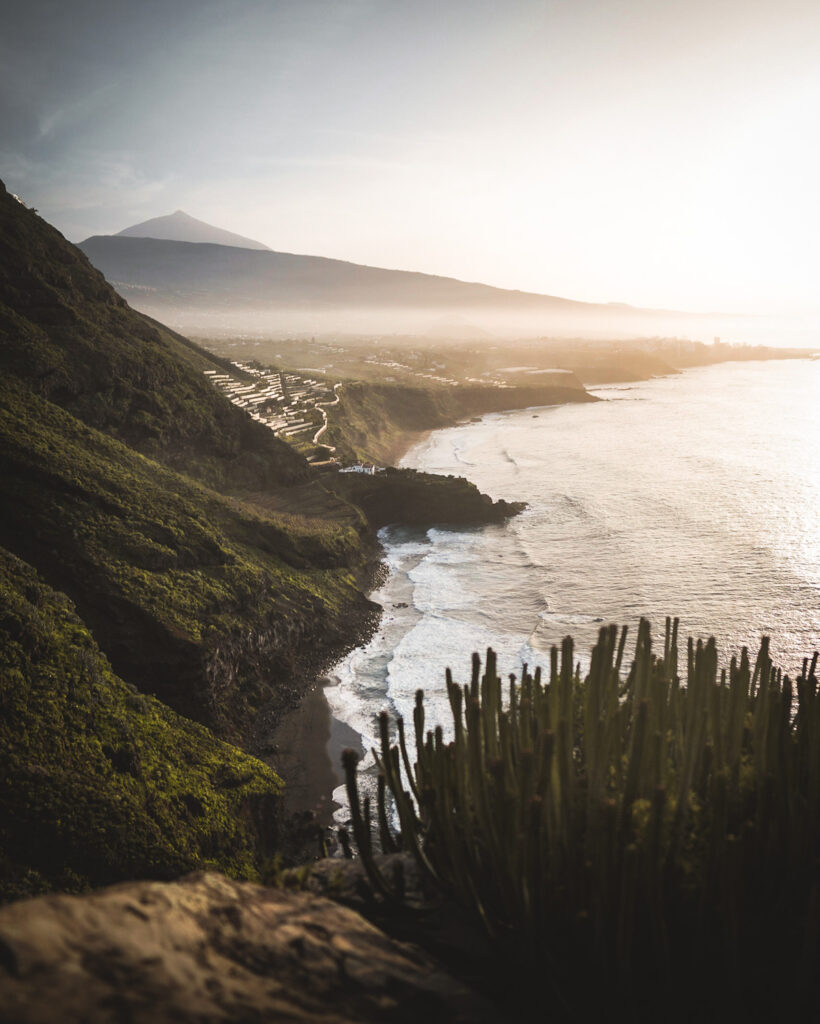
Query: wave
[[673, 498]]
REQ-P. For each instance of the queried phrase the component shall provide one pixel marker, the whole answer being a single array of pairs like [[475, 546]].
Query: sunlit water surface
[[696, 495]]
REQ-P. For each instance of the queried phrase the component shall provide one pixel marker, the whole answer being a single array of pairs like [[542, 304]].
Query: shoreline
[[307, 746], [305, 743], [308, 739]]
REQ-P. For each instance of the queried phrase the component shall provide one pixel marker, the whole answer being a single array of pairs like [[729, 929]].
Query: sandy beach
[[306, 750]]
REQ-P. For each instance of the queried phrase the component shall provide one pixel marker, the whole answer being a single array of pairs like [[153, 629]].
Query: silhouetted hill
[[174, 272], [208, 288], [181, 227]]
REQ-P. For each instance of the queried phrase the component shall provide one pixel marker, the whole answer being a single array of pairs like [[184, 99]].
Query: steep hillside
[[195, 598], [213, 606], [72, 339], [100, 782]]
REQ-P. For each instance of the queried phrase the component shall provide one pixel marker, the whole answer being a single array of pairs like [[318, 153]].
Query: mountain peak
[[180, 226]]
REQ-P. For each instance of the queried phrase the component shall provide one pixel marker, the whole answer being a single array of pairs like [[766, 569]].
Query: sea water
[[695, 495]]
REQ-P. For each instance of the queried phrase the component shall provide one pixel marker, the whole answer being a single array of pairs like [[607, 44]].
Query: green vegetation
[[100, 782], [179, 584], [126, 486], [644, 846], [372, 421]]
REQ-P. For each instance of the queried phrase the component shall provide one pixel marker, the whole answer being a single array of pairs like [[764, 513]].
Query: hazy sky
[[656, 152]]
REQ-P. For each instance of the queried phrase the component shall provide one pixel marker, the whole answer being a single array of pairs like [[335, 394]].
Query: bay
[[695, 495]]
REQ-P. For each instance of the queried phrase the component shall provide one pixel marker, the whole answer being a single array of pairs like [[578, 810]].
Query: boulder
[[208, 949]]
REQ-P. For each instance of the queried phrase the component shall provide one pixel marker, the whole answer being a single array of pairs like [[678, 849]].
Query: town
[[293, 407], [288, 404]]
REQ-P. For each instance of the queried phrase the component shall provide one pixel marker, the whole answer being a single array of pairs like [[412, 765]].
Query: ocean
[[695, 495]]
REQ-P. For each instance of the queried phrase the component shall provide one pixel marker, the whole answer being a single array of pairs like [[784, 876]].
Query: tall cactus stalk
[[650, 819]]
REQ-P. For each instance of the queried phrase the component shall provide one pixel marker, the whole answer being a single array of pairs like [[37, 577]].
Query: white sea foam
[[696, 495]]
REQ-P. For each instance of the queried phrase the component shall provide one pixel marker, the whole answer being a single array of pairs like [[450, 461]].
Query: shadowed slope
[[102, 783], [66, 332]]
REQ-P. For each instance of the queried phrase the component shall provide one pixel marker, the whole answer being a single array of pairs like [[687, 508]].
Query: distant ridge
[[213, 287], [181, 227]]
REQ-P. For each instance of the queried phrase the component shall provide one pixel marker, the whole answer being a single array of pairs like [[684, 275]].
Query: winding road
[[323, 406]]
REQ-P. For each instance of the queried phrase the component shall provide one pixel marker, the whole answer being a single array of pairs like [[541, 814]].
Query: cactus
[[656, 823]]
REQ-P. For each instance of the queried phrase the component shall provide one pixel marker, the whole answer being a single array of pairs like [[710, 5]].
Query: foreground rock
[[209, 949]]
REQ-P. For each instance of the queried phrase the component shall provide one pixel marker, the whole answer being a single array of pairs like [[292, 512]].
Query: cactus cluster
[[641, 822]]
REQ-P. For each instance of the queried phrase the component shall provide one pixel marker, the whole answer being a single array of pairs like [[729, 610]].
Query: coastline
[[307, 746], [317, 750], [305, 742]]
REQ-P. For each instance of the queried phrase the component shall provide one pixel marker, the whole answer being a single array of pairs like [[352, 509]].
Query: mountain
[[220, 275], [148, 603], [214, 287], [181, 227], [172, 577]]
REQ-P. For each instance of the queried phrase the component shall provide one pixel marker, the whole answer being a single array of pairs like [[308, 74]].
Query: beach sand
[[307, 750], [306, 746]]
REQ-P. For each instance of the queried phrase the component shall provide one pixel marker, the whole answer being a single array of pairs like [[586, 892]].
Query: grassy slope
[[73, 340], [217, 606], [101, 783], [195, 598]]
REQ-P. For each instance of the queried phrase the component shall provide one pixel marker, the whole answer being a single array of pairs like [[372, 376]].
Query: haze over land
[[208, 281], [448, 346], [185, 272], [658, 155]]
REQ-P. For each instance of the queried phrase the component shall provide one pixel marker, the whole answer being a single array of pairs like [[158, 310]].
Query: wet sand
[[307, 750]]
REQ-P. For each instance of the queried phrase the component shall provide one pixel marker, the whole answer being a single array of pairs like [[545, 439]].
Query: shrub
[[654, 834]]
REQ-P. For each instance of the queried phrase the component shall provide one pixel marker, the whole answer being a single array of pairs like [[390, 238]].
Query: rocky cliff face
[[371, 419], [419, 499], [206, 949]]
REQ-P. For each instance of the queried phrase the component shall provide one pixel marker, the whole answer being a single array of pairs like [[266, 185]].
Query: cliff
[[161, 547], [418, 499], [373, 421]]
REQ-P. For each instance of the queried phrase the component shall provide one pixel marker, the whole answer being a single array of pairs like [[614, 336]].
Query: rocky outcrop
[[421, 499], [206, 949]]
